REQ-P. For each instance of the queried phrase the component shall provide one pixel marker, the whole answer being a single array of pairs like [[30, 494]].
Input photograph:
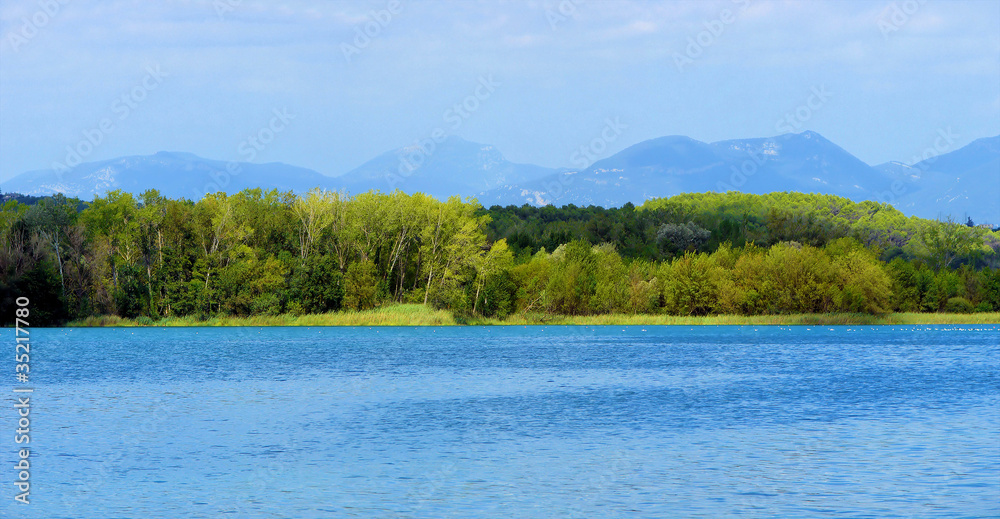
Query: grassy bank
[[420, 315], [791, 319], [396, 315]]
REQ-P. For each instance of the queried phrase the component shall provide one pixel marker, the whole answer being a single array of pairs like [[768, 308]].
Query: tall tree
[[49, 218], [489, 264], [945, 242], [315, 211]]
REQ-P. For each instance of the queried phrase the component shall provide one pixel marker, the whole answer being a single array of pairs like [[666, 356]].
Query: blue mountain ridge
[[174, 174], [964, 182]]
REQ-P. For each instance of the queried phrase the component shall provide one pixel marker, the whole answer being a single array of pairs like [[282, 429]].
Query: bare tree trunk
[[149, 283], [55, 244], [434, 246], [420, 264], [402, 275], [427, 289]]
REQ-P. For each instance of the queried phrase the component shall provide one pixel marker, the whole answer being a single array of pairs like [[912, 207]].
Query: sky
[[330, 85]]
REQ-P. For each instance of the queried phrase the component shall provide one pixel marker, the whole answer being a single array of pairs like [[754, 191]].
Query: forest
[[267, 253]]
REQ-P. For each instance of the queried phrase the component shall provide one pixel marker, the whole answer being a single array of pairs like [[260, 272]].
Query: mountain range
[[962, 183]]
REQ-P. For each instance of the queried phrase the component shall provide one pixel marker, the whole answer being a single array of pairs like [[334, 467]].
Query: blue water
[[511, 422]]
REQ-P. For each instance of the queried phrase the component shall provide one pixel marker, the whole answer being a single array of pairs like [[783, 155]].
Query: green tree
[[691, 286], [943, 285], [49, 218], [864, 284], [990, 279], [643, 288], [945, 242], [611, 281], [316, 286], [905, 285], [113, 227], [488, 265], [249, 284], [360, 285], [690, 236], [450, 239], [573, 280], [315, 212], [532, 280]]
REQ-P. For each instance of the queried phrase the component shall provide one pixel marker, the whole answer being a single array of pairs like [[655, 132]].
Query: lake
[[511, 422]]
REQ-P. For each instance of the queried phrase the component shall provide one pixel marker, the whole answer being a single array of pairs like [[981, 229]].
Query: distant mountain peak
[[182, 155], [441, 169], [987, 143], [173, 174], [805, 161], [963, 181]]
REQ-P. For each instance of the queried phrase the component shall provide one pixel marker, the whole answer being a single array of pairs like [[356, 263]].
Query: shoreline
[[419, 315]]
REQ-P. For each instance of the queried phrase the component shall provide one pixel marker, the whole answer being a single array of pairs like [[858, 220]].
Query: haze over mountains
[[964, 182]]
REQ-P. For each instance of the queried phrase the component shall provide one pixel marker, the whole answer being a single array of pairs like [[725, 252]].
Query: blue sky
[[537, 79]]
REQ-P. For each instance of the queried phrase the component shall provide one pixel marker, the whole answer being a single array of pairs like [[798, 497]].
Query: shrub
[[958, 305], [573, 280], [316, 286], [265, 304], [143, 320], [360, 286], [693, 285], [498, 295]]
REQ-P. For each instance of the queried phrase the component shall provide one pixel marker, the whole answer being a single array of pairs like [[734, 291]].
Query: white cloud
[[604, 58]]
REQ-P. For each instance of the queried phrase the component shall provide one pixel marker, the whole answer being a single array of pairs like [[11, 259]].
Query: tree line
[[268, 252], [663, 227]]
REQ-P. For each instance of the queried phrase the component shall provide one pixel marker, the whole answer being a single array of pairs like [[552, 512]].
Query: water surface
[[513, 422]]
